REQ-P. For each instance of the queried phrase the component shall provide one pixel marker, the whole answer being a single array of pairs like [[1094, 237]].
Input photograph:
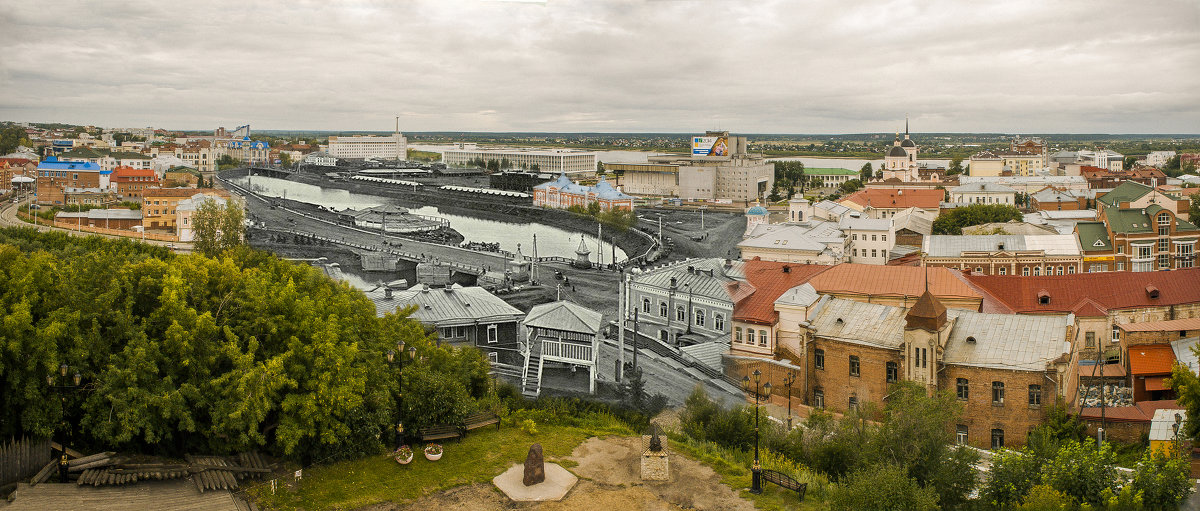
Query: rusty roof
[[897, 198], [1109, 290], [770, 280], [898, 281], [1151, 359], [1162, 326]]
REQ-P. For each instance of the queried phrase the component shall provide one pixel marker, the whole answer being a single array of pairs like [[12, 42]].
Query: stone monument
[[535, 470], [655, 459]]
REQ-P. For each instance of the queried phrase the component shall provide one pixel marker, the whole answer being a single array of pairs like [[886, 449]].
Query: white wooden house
[[559, 332]]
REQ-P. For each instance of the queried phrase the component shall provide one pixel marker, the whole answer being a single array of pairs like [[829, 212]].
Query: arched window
[[646, 305]]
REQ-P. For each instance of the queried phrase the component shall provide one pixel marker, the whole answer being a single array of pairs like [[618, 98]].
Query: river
[[551, 241]]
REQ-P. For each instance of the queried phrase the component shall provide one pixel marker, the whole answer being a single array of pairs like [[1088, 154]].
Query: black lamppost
[[787, 382], [399, 361], [756, 469], [63, 386], [1175, 428]]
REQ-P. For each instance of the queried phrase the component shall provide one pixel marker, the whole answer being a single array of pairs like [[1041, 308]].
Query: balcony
[[567, 352]]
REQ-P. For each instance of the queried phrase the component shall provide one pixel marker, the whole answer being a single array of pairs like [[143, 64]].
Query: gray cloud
[[679, 66]]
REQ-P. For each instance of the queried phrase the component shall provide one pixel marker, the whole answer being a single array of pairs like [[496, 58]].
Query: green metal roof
[[1128, 220], [1125, 192], [1184, 225], [823, 171], [1093, 237]]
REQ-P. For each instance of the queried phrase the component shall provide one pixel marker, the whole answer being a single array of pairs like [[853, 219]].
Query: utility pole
[[1103, 432], [635, 339], [535, 259], [623, 292]]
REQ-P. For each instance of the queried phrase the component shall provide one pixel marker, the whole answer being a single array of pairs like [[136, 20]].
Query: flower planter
[[433, 452], [404, 461], [403, 455]]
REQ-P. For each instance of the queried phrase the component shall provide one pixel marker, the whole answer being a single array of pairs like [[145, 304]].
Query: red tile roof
[[1108, 290], [770, 281], [898, 198], [1154, 383], [125, 172], [898, 281], [16, 161], [1151, 359]]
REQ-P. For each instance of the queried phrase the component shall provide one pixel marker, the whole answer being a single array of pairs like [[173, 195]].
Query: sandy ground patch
[[609, 473]]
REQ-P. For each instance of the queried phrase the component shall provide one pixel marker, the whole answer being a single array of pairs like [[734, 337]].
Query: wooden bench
[[439, 433], [785, 481], [480, 420]]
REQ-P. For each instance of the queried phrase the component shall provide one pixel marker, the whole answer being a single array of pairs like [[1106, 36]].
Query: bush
[[1161, 479], [1012, 477], [1081, 471], [1045, 498], [705, 420], [433, 398], [954, 220], [881, 487]]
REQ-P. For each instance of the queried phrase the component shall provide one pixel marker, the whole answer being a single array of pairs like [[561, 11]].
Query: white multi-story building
[[1159, 158], [871, 239], [983, 193], [557, 161], [392, 147], [720, 167]]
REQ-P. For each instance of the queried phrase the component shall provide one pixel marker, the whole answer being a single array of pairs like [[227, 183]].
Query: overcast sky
[[842, 66]]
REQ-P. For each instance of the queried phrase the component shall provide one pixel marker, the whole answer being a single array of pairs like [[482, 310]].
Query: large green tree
[[190, 353], [11, 137], [953, 221], [217, 228]]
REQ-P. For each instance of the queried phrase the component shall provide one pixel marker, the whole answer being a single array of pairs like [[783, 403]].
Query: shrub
[[881, 487], [1081, 471], [529, 427], [1161, 479], [433, 398], [1011, 478], [1045, 498]]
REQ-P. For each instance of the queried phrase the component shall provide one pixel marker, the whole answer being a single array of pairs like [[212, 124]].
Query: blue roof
[[606, 191], [54, 164], [757, 210]]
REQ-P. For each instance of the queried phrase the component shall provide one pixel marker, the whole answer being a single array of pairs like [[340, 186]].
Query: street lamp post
[[1175, 428], [787, 382], [756, 469], [399, 361], [62, 385]]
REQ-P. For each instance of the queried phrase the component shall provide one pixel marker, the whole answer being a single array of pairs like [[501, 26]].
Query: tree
[[1082, 471], [1194, 208], [433, 398], [1129, 162], [956, 167], [866, 172], [599, 168], [227, 162], [1162, 479], [12, 137], [953, 221], [285, 160], [1012, 476], [881, 487], [216, 229], [850, 186]]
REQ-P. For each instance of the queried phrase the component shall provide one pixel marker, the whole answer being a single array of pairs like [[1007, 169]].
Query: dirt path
[[609, 479]]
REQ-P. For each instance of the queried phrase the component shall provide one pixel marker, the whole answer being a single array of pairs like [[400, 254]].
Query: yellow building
[[159, 205], [1163, 437]]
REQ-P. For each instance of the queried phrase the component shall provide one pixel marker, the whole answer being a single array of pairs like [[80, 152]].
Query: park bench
[[785, 481], [480, 420], [439, 433]]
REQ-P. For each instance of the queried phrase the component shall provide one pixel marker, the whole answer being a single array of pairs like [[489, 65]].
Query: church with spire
[[901, 163]]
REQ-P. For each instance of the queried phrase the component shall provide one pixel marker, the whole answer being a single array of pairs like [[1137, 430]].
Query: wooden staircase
[[531, 382]]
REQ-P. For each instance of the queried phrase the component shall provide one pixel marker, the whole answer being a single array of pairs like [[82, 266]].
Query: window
[[1035, 395], [762, 338], [855, 252], [1164, 225], [493, 357], [854, 365], [1037, 270], [818, 398], [1025, 271], [1164, 260], [447, 332], [978, 269], [1116, 334], [1070, 270], [749, 336], [873, 237], [1120, 249], [997, 438], [819, 358], [884, 237], [1058, 270], [680, 314], [997, 392], [662, 309], [646, 305], [1120, 265], [719, 321], [963, 387], [1089, 339], [873, 252], [737, 334], [960, 434], [854, 237], [893, 372], [1184, 255], [1003, 270], [699, 316]]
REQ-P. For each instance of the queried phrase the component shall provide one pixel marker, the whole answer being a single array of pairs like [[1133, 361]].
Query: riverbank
[[635, 245]]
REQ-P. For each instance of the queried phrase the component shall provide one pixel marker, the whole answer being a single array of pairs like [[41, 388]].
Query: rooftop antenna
[[906, 124], [397, 124], [926, 265]]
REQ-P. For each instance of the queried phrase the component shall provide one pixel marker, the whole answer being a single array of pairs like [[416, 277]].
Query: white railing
[[567, 351]]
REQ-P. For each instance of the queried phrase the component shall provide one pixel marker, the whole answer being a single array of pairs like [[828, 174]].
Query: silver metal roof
[[865, 323], [454, 305], [944, 245], [698, 280], [1023, 342]]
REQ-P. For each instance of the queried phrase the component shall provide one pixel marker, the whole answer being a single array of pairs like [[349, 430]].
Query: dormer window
[[1043, 298]]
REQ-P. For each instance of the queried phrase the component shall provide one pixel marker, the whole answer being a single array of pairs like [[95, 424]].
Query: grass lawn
[[735, 472], [478, 457]]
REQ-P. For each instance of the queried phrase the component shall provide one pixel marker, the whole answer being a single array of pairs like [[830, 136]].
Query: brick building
[[1139, 229], [1005, 254], [159, 205], [132, 182], [54, 176]]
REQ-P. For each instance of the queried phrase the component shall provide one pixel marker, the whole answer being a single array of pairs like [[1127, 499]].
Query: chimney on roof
[[728, 264], [691, 270], [387, 293], [787, 269], [1152, 291]]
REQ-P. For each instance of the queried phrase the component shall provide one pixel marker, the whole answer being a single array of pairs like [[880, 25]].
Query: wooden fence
[[21, 459]]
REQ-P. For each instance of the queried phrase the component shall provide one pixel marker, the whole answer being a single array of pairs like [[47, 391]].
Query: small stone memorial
[[655, 461], [535, 470]]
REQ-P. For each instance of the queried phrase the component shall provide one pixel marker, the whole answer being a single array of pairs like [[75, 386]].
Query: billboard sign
[[710, 146]]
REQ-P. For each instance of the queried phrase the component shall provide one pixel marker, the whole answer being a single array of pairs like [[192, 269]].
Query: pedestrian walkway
[[157, 495]]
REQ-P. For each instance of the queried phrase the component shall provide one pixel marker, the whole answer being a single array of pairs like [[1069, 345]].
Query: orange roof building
[[885, 202]]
